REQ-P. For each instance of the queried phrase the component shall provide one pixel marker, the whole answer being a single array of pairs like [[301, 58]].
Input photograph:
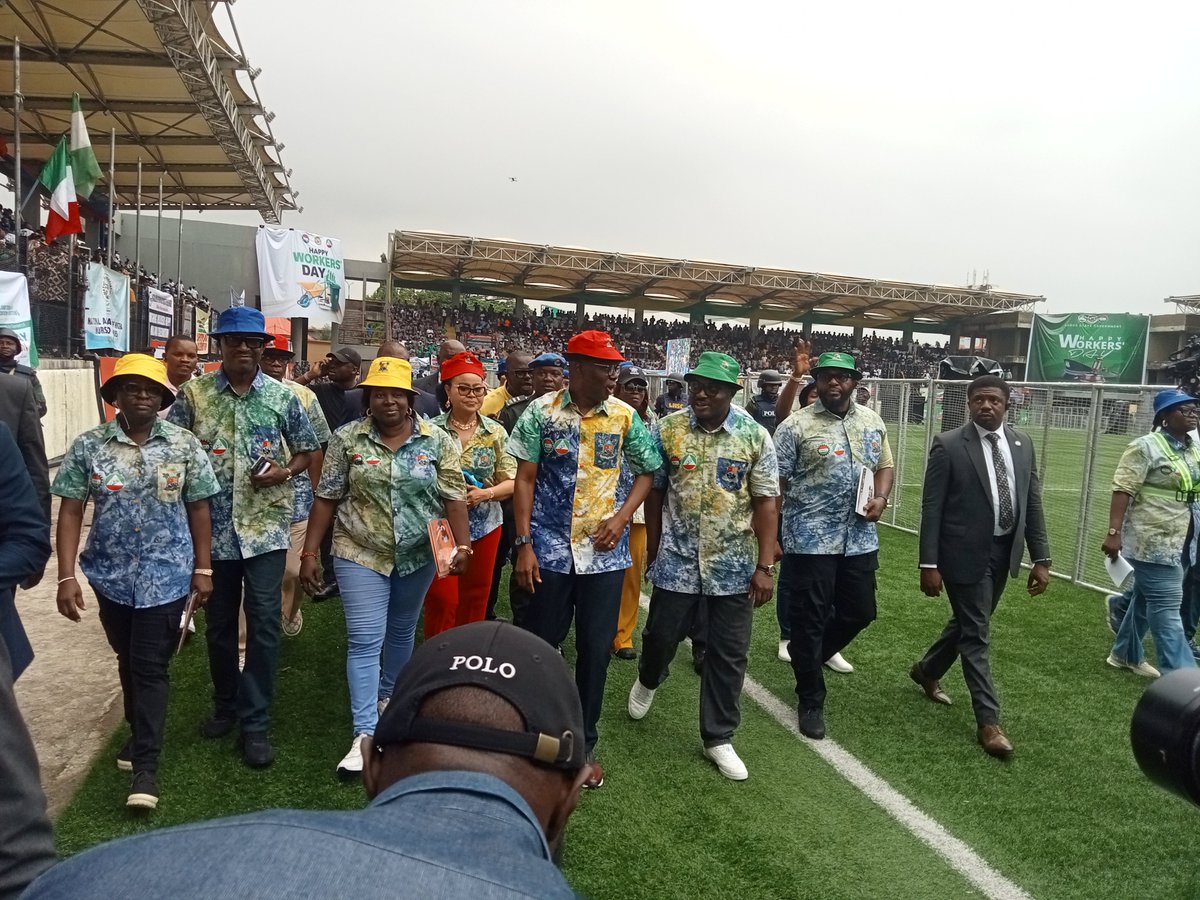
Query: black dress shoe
[[812, 723], [626, 653], [257, 751], [217, 726]]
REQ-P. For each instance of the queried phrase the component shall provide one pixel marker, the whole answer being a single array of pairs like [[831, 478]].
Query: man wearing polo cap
[[340, 401], [572, 541], [275, 359], [10, 347], [244, 420], [718, 487], [473, 773], [831, 549], [671, 400]]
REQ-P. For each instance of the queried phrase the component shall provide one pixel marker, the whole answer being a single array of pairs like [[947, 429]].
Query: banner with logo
[[14, 314], [300, 275], [679, 352], [161, 307], [202, 320], [1089, 347], [106, 309]]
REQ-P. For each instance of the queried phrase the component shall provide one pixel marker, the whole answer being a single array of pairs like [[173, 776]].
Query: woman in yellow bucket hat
[[385, 477], [148, 548]]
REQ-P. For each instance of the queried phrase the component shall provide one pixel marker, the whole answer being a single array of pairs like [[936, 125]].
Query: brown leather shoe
[[596, 779], [931, 687], [993, 741]]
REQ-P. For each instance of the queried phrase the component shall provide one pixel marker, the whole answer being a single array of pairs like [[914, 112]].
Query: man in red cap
[[572, 535]]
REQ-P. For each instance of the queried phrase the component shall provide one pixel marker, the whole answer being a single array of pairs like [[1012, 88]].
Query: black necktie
[[1006, 506]]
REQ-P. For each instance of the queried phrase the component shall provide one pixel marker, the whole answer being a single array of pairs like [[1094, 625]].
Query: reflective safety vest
[[1186, 488]]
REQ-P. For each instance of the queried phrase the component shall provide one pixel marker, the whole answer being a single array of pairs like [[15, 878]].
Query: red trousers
[[460, 599]]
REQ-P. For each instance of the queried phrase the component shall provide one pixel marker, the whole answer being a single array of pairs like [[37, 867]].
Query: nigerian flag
[[83, 160], [64, 207]]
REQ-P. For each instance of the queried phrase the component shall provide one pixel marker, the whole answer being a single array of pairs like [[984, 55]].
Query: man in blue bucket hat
[[243, 420]]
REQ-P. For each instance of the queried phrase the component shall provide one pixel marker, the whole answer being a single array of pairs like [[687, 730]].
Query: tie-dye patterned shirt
[[579, 465], [236, 430], [488, 461], [386, 498], [820, 457], [139, 549], [302, 488], [707, 545]]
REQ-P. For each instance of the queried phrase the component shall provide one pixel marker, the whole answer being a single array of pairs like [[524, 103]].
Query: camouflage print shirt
[[1155, 470], [707, 545], [302, 488], [236, 430], [139, 550], [386, 499], [820, 457], [625, 484], [488, 461], [579, 459]]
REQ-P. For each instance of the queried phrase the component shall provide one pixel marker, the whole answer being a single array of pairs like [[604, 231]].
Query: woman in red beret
[[489, 470]]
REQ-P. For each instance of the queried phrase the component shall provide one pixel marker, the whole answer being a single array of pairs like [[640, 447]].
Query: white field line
[[958, 855]]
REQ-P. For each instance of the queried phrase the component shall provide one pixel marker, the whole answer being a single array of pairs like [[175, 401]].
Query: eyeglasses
[[134, 389], [610, 368], [241, 340], [477, 390], [835, 375]]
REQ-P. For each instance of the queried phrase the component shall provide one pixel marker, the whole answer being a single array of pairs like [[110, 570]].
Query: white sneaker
[[1143, 668], [728, 762], [783, 651], [351, 763], [837, 663], [640, 698]]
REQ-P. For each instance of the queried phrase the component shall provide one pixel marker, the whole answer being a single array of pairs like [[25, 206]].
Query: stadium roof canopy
[[178, 91], [564, 274]]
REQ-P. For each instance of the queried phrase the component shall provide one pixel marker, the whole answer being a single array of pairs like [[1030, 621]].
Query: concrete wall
[[70, 388]]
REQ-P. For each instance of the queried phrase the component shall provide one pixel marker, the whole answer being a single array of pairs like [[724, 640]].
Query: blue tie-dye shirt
[[139, 548], [579, 465]]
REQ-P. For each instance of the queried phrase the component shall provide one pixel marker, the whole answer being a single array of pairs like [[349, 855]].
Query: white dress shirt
[[1006, 452]]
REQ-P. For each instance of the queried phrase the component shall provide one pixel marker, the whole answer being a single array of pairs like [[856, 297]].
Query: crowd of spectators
[[493, 331]]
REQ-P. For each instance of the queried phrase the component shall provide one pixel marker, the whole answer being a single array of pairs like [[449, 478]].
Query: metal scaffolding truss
[[169, 78], [540, 272], [1185, 303]]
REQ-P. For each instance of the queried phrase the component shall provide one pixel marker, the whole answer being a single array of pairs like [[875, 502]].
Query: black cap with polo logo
[[509, 662]]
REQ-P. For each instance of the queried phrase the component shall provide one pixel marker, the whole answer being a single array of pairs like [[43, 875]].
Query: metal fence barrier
[[1079, 432]]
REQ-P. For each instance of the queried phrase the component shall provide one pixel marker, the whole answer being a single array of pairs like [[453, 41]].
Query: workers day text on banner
[[106, 309], [14, 314], [1092, 347], [300, 275]]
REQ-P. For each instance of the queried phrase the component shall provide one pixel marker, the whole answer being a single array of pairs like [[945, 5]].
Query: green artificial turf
[[1069, 816]]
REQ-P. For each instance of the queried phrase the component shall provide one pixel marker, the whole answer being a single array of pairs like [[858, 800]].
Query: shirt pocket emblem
[[264, 441], [422, 468], [605, 448], [170, 482], [731, 473]]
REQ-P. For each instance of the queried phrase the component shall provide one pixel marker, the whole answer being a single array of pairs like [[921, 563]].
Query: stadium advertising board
[[300, 275], [1088, 347]]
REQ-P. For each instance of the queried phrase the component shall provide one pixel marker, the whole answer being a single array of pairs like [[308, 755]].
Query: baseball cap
[[460, 364], [347, 355], [507, 661], [596, 345], [282, 346], [632, 373]]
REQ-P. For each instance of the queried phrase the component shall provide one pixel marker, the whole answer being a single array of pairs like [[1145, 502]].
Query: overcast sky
[[1053, 145]]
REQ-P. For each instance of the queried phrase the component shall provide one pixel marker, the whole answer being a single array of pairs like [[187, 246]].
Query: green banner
[[1089, 347]]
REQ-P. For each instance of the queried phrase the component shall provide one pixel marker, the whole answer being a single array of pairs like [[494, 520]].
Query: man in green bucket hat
[[830, 546], [711, 523]]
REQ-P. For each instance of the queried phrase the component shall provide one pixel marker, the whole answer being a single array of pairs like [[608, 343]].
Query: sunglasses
[[240, 340]]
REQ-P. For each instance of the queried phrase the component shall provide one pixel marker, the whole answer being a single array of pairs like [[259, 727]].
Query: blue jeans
[[255, 585], [381, 614], [1157, 596], [1189, 610]]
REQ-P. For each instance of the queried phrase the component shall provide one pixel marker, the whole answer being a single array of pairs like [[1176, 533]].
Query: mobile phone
[[261, 465]]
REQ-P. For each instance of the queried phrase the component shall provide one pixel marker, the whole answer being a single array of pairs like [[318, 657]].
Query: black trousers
[[967, 633], [258, 582], [697, 630], [726, 653], [508, 532], [143, 639], [594, 602], [830, 599]]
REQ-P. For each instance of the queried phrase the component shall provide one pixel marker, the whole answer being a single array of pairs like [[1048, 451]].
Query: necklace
[[470, 426]]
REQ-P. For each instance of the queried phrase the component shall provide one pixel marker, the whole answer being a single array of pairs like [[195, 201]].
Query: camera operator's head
[[1165, 733]]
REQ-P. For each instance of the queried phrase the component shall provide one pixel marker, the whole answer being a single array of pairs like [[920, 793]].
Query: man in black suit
[[19, 411], [982, 504]]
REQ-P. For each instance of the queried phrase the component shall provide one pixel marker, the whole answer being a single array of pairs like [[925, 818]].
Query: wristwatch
[[1048, 563], [1113, 531], [522, 539], [770, 570]]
